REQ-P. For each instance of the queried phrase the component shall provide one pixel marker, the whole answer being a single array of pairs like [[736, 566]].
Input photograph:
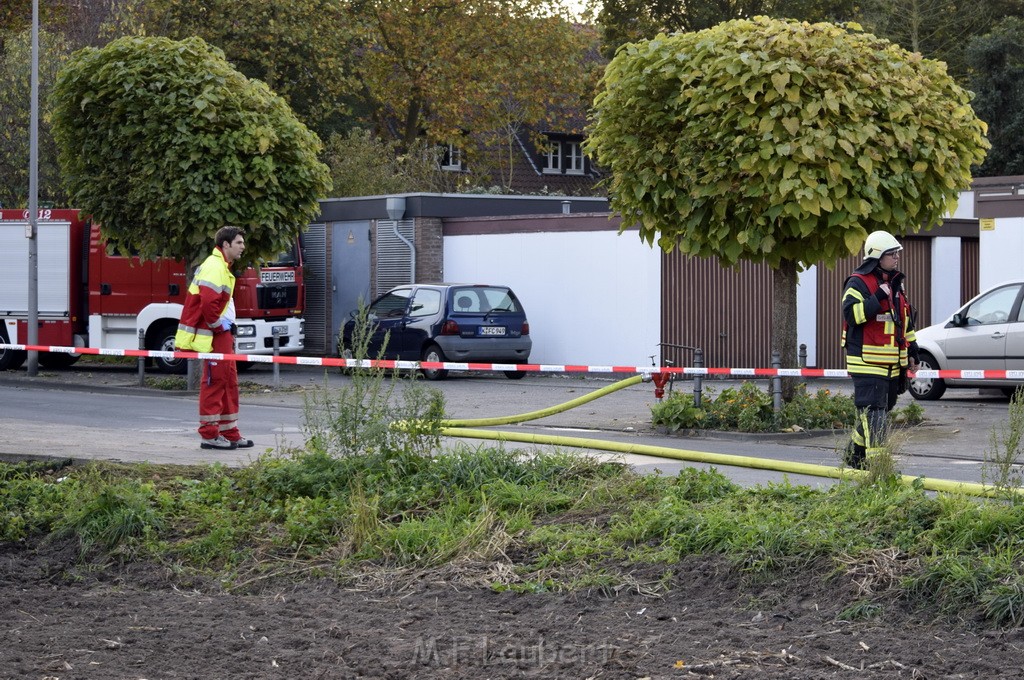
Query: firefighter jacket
[[878, 329], [208, 300]]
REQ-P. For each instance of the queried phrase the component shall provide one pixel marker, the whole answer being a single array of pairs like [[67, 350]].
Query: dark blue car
[[447, 322]]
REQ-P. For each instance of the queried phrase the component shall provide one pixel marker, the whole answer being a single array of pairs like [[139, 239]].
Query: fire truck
[[88, 297]]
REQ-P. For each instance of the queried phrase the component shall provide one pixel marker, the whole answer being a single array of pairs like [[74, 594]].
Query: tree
[[364, 165], [938, 29], [624, 21], [996, 63], [446, 67], [299, 48], [15, 103], [780, 142], [163, 142]]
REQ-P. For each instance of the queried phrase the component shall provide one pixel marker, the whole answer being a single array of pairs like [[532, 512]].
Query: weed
[[861, 610], [1001, 467]]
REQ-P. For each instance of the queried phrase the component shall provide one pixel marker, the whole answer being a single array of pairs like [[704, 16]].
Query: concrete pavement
[[113, 418]]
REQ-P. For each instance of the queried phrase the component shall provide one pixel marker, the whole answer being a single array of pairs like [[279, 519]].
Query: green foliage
[[625, 21], [1001, 466], [164, 142], [111, 515], [297, 47], [364, 165], [779, 141], [749, 408], [559, 521], [996, 62], [15, 103]]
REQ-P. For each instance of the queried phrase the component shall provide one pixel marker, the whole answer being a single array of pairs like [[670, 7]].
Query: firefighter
[[207, 325], [878, 334]]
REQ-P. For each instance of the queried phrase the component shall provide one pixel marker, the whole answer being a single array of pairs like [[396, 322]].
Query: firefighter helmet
[[879, 243]]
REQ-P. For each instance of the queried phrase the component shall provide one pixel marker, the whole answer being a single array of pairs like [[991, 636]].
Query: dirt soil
[[57, 622]]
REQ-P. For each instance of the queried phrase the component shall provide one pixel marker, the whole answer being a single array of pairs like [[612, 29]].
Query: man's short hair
[[228, 234]]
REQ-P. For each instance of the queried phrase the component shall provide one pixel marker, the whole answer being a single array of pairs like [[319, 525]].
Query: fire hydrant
[[660, 380]]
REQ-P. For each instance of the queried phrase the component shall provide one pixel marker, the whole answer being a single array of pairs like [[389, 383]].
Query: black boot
[[855, 456]]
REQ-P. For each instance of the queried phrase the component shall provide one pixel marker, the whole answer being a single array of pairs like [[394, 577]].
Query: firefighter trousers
[[874, 397], [218, 392]]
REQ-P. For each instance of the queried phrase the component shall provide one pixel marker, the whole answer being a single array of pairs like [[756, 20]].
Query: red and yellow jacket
[[878, 329], [209, 297]]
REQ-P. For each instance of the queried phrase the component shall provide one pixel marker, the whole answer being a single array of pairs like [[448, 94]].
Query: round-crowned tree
[[781, 142], [163, 142]]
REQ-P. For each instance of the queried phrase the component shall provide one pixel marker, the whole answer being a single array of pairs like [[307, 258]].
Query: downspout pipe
[[395, 206]]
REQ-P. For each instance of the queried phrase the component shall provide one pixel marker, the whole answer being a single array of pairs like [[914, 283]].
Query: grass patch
[[556, 522]]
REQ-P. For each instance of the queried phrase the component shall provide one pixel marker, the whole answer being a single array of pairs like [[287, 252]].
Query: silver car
[[985, 334]]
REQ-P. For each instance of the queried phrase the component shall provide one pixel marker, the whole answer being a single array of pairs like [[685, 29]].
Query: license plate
[[492, 330], [279, 330]]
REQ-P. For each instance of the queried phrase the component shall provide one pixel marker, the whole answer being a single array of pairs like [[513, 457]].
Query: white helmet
[[878, 243]]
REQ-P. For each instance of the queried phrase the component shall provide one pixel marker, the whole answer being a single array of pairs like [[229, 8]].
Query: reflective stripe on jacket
[[877, 333], [208, 296]]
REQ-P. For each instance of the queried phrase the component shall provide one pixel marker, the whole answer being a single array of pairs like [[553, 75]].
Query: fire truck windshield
[[289, 258]]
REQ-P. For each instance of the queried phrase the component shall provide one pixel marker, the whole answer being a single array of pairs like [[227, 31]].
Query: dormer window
[[564, 156], [451, 158], [553, 158]]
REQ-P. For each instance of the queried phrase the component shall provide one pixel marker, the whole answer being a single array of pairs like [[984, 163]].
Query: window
[[563, 156], [426, 302], [451, 158], [994, 307], [393, 304], [573, 158], [553, 158]]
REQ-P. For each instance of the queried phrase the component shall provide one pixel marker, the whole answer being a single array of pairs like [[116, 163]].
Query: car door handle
[[998, 335]]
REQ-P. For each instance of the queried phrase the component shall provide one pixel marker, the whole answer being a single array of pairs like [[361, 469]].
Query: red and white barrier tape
[[535, 368]]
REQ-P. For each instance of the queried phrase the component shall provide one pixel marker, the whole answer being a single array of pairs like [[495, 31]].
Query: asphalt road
[[98, 411]]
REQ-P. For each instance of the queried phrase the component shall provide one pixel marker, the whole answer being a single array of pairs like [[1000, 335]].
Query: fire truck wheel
[[165, 343], [11, 359], [57, 360]]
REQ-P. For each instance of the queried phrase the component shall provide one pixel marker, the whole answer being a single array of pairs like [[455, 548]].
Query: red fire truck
[[90, 298]]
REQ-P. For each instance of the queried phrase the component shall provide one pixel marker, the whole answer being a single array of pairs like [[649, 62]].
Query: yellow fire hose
[[461, 428]]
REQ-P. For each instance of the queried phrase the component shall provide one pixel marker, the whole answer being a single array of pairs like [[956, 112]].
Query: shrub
[[749, 408]]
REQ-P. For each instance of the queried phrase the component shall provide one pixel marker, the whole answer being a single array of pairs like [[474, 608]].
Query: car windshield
[[484, 299]]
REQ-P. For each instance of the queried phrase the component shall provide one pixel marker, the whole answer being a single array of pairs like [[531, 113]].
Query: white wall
[[807, 313], [1001, 252], [592, 297]]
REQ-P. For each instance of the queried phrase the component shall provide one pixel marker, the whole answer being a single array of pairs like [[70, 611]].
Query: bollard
[[802, 356], [277, 352], [142, 360], [698, 380], [777, 383]]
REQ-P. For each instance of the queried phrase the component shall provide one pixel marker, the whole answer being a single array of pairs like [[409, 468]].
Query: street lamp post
[[33, 201]]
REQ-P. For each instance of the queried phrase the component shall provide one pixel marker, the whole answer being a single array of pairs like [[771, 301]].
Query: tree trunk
[[783, 331]]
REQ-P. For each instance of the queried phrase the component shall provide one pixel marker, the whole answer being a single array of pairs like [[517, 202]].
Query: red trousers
[[218, 392]]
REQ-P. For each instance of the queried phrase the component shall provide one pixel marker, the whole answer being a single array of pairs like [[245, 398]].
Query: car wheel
[[1011, 391], [57, 359], [927, 389], [165, 343], [514, 375], [345, 353], [243, 365], [433, 353]]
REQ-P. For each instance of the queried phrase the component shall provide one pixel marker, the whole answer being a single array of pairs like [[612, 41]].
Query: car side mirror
[[959, 320]]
